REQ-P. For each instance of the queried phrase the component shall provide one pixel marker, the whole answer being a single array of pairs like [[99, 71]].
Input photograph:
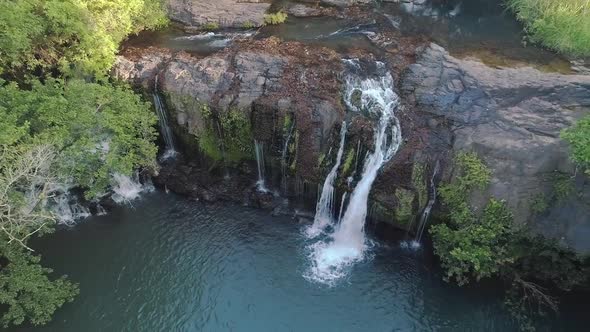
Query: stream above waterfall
[[171, 264], [480, 29]]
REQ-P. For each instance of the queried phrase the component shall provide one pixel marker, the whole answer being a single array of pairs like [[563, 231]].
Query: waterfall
[[284, 159], [259, 150], [428, 208], [127, 189], [324, 207], [163, 122], [347, 245], [66, 207]]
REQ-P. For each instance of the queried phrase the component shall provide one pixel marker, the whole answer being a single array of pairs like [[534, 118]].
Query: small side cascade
[[127, 189], [163, 123], [65, 206], [324, 207], [431, 201], [284, 158], [259, 151]]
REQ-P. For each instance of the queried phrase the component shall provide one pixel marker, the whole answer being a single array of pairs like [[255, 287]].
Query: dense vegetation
[[561, 25], [579, 138], [62, 125], [74, 36], [473, 245]]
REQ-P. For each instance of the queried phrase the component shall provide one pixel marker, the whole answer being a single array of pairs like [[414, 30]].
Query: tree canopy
[[71, 35], [62, 125]]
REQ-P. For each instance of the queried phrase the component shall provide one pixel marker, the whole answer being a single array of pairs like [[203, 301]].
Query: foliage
[[275, 18], [405, 206], [476, 247], [227, 136], [539, 203], [578, 137], [248, 25], [210, 26], [471, 246], [71, 35], [561, 25], [563, 186], [237, 135], [26, 290], [472, 174], [96, 129], [26, 180], [347, 165]]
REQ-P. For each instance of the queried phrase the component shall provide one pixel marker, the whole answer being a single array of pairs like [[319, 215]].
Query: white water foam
[[331, 256], [127, 189]]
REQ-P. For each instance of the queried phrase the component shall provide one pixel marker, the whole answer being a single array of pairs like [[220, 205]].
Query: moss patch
[[404, 211]]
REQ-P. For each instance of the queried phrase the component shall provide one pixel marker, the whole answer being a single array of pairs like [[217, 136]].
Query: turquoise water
[[169, 264]]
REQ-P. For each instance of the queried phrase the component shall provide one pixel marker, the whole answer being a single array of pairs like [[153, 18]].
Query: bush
[[578, 137], [210, 26], [471, 246], [275, 18], [560, 25]]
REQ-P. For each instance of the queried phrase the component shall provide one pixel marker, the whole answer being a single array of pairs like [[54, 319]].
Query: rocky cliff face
[[288, 97], [512, 118]]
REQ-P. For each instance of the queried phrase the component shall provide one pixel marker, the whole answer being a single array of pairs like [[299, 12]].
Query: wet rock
[[268, 81], [224, 13], [512, 118]]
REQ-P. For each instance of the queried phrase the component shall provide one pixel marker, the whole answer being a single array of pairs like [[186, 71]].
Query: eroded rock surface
[[513, 118]]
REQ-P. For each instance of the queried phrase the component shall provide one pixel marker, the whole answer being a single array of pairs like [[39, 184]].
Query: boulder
[[224, 13]]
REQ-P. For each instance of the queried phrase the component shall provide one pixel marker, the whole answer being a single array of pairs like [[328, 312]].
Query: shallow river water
[[170, 264]]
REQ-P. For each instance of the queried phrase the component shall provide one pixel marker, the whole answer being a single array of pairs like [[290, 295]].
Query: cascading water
[[65, 206], [324, 207], [347, 244], [127, 189], [426, 213], [259, 150], [163, 122]]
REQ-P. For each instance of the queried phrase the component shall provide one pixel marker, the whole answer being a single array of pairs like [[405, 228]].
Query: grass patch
[[210, 26], [562, 25], [275, 18]]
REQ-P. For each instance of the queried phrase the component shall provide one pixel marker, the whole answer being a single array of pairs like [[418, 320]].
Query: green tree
[[26, 288], [471, 246], [26, 291], [70, 35], [96, 129]]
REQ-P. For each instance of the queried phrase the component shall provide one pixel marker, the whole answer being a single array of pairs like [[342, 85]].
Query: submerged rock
[[512, 118]]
